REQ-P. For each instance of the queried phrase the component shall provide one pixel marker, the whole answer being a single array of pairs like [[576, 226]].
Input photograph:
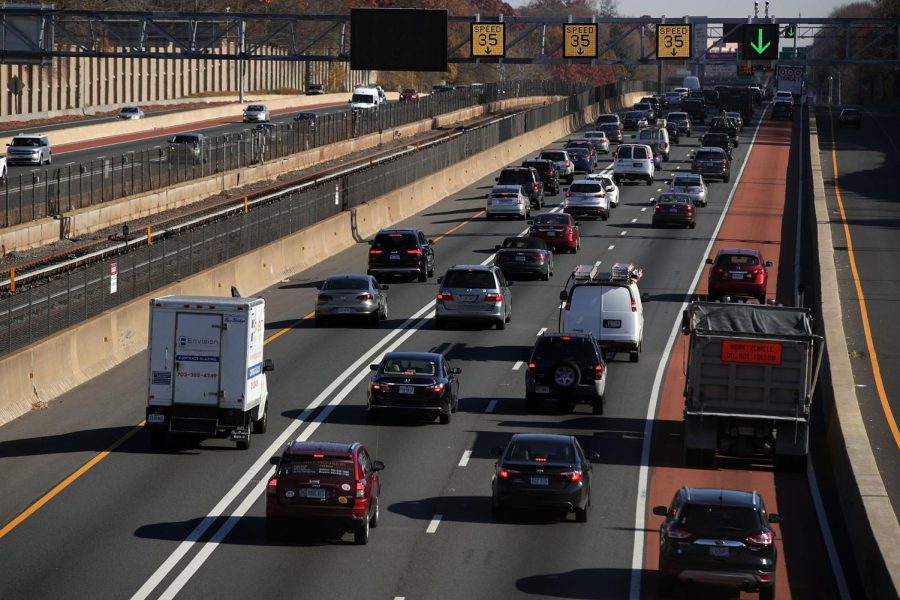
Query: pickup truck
[[752, 370]]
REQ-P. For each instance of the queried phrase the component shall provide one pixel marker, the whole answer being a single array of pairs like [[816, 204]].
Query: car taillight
[[568, 230], [360, 489], [598, 372], [573, 476], [535, 187], [324, 298], [437, 388], [273, 486], [366, 296], [600, 195], [380, 387], [415, 251], [658, 207], [447, 296], [532, 367], [763, 538], [491, 297], [505, 473], [376, 252], [677, 534], [569, 195], [568, 164], [633, 304], [548, 172]]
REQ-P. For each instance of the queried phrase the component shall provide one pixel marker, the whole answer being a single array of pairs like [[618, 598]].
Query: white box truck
[[207, 374]]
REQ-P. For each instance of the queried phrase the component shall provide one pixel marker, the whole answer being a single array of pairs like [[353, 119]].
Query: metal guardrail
[[44, 307], [55, 191]]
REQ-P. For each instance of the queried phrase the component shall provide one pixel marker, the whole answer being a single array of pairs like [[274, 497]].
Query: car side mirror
[[769, 263], [496, 451], [373, 367], [268, 365], [593, 456], [653, 202], [645, 297], [709, 261], [455, 370], [774, 518], [377, 465], [563, 295], [497, 247], [384, 287], [660, 511], [496, 179], [431, 242]]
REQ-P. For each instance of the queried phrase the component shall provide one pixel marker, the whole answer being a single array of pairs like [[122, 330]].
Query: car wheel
[[158, 438], [497, 510], [439, 323], [245, 443], [489, 216], [545, 276], [454, 407], [634, 356], [605, 216], [597, 405], [430, 271], [274, 529], [727, 177], [581, 514], [761, 298], [501, 323], [320, 321], [444, 417], [375, 318], [261, 424], [767, 593], [531, 405], [423, 276], [384, 313], [371, 416], [566, 375], [376, 515], [650, 181], [361, 535]]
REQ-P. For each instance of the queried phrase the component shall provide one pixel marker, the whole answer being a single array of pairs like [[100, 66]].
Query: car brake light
[[366, 296], [633, 304], [540, 459], [324, 298], [598, 372], [506, 473], [569, 194], [414, 251], [601, 195], [376, 251], [763, 538], [360, 489], [318, 456], [446, 296], [272, 487], [380, 387], [568, 164], [573, 476], [532, 367], [677, 534], [548, 172], [437, 388], [491, 297], [658, 207], [535, 187]]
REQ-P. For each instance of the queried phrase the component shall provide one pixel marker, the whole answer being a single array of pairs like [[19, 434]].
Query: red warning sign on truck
[[745, 351]]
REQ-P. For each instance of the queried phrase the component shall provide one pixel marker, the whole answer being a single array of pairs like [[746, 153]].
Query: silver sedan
[[342, 296], [693, 186], [507, 200]]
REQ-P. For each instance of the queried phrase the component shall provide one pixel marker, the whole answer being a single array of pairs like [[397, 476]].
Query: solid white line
[[799, 231], [491, 406], [432, 527], [465, 458], [640, 511], [540, 332], [518, 365], [611, 246]]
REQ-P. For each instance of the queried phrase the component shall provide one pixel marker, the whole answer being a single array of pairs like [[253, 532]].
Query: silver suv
[[29, 148], [587, 197], [474, 293], [256, 113]]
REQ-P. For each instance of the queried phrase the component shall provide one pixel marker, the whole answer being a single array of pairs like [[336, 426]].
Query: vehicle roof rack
[[620, 273], [626, 272]]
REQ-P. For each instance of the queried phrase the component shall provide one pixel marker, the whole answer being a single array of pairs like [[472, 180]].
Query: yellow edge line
[[864, 313], [90, 464]]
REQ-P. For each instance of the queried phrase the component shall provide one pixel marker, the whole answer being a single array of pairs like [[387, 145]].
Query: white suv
[[633, 161], [29, 148]]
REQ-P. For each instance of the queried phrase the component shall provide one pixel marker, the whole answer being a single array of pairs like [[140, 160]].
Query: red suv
[[738, 272], [558, 230], [408, 94], [325, 482]]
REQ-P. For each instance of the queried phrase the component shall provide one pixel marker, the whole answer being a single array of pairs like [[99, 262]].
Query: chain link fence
[[43, 308]]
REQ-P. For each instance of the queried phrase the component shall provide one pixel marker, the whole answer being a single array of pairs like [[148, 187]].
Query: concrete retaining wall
[[870, 518], [47, 369]]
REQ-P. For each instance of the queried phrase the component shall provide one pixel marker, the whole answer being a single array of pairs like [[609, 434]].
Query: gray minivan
[[474, 293]]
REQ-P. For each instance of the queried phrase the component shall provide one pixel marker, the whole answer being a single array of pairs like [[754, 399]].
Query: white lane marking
[[68, 164], [611, 246], [540, 332], [432, 527], [658, 189], [634, 220], [678, 167], [491, 406], [640, 512], [645, 208], [518, 365], [399, 597], [623, 233], [465, 458]]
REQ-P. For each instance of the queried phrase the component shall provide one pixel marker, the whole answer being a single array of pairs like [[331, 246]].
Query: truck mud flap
[[189, 425]]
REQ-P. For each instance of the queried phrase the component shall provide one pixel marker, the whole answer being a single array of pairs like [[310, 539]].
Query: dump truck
[[751, 373], [737, 100]]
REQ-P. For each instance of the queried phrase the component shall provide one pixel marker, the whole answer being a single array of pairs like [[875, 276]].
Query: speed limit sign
[[673, 42]]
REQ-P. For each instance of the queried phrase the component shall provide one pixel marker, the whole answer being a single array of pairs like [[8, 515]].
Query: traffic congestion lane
[[753, 221], [860, 165], [197, 477]]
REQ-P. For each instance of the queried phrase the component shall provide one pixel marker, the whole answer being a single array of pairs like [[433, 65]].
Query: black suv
[[782, 110], [529, 179], [717, 536], [401, 252], [568, 368], [724, 125], [695, 108], [717, 140], [548, 172]]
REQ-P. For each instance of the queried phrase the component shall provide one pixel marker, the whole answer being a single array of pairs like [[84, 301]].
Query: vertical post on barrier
[[246, 205], [12, 281], [149, 236]]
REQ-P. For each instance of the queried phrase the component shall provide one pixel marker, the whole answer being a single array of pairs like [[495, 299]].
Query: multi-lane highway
[[860, 171], [114, 519]]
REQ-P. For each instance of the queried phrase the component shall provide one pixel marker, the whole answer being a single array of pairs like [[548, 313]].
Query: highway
[[860, 167], [119, 528]]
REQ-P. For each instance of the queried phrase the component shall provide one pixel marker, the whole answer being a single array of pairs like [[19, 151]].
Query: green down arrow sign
[[760, 42]]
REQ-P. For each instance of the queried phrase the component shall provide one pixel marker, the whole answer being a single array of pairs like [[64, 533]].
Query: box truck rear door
[[198, 348]]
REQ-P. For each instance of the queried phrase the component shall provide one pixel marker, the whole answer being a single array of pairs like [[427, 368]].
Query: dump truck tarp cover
[[752, 319]]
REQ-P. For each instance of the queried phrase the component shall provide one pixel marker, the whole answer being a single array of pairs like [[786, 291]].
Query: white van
[[606, 304], [364, 98], [656, 136], [634, 161], [691, 83]]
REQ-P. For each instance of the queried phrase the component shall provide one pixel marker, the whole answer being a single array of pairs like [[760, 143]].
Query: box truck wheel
[[245, 443], [260, 425]]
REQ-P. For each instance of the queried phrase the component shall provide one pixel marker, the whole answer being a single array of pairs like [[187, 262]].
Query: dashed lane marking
[[465, 458], [435, 521]]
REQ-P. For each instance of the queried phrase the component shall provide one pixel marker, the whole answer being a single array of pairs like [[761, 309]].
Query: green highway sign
[[790, 32], [760, 42]]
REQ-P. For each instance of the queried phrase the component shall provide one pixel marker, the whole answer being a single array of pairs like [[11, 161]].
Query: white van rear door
[[585, 308], [617, 319]]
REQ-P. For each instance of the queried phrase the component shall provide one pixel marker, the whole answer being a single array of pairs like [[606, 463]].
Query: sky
[[718, 8]]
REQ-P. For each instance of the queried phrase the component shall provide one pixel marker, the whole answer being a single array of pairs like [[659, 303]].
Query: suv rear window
[[315, 467], [525, 243], [718, 518], [586, 188], [564, 347], [710, 155], [256, 107], [346, 283], [552, 219], [185, 139], [517, 176], [544, 452], [394, 241], [469, 279], [608, 119], [553, 155]]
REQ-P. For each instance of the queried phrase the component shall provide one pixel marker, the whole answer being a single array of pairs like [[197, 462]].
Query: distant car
[[782, 109], [712, 163], [563, 163], [696, 108], [647, 109], [568, 368], [507, 201], [612, 190], [559, 231], [530, 181], [581, 143], [524, 256], [609, 119], [711, 97], [408, 94], [717, 140], [325, 482], [29, 148], [542, 471], [310, 118], [738, 272], [130, 113], [439, 88], [673, 209], [351, 296], [850, 117], [256, 113], [727, 126], [717, 536], [599, 139], [737, 119], [420, 383], [634, 161], [401, 252], [587, 197], [662, 100], [582, 159], [681, 121], [187, 146], [474, 293], [692, 185], [315, 89], [634, 120], [548, 172], [784, 96], [674, 99]]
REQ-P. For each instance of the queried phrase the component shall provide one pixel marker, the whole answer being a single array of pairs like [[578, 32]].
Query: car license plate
[[737, 275], [673, 210], [542, 389], [612, 323], [718, 551], [520, 258], [407, 389], [468, 298], [536, 480], [345, 311], [316, 493], [156, 419], [638, 165], [395, 257]]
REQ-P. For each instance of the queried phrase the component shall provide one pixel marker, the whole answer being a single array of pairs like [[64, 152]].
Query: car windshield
[[394, 241], [363, 99], [733, 115], [307, 116], [642, 106], [408, 91], [718, 518], [709, 155], [256, 107], [409, 366], [849, 112], [673, 199], [551, 219], [608, 119], [595, 134], [736, 260], [542, 452], [563, 347], [586, 188], [609, 126], [633, 114], [469, 279], [540, 165], [346, 283], [524, 242], [317, 467], [557, 156], [686, 181], [26, 142], [715, 138], [129, 109]]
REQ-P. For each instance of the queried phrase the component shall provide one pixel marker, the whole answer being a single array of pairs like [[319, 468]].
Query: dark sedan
[[582, 158], [634, 119], [674, 209], [542, 471], [613, 131], [850, 117], [414, 382], [681, 121], [524, 256], [782, 110], [407, 94], [712, 163], [548, 172]]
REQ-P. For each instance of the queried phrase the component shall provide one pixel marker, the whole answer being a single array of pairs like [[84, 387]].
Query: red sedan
[[738, 272], [558, 230], [408, 94]]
